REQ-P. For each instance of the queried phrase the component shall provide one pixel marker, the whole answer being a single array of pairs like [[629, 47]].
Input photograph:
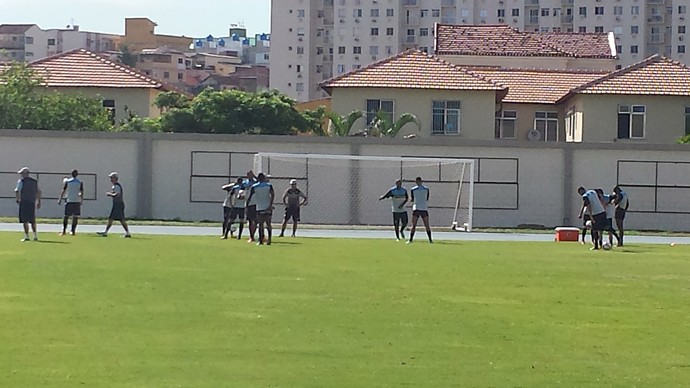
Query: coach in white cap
[[28, 196], [293, 199]]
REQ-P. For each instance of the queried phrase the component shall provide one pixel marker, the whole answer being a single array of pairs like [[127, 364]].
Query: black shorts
[[599, 222], [420, 213], [27, 211], [237, 212], [400, 217], [609, 224], [118, 211], [264, 215], [620, 214], [292, 212], [72, 209], [251, 213]]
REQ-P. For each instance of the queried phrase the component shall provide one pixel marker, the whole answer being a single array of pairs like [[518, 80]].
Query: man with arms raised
[[74, 188], [420, 198], [399, 198], [263, 195], [28, 196]]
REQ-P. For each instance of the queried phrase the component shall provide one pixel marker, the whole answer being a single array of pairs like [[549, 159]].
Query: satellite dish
[[534, 135]]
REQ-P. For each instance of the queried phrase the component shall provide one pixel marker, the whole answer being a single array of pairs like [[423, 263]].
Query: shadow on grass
[[51, 242]]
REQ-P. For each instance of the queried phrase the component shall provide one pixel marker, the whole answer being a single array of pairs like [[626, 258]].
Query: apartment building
[[314, 40], [29, 42]]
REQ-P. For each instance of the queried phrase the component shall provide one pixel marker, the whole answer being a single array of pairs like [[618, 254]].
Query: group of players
[[253, 197], [29, 195], [598, 212]]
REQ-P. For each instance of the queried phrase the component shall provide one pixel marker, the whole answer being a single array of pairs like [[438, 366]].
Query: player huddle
[[252, 197], [598, 212]]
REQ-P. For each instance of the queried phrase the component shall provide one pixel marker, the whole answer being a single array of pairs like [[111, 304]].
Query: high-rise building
[[314, 40]]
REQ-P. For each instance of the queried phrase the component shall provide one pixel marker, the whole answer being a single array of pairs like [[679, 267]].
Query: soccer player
[[291, 200], [28, 196], [74, 188], [597, 213], [251, 205], [263, 195], [118, 210], [607, 200], [621, 202], [420, 198], [399, 198], [233, 207]]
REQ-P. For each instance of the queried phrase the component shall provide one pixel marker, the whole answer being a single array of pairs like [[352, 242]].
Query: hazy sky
[[196, 18]]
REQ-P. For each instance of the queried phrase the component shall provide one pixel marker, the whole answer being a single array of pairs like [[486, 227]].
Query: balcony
[[531, 3], [410, 39], [655, 19], [567, 19], [656, 38], [448, 3], [655, 1], [533, 20], [410, 3], [568, 2]]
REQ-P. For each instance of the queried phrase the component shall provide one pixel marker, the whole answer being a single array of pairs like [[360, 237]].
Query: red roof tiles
[[412, 69], [82, 68], [502, 40], [653, 76], [537, 86]]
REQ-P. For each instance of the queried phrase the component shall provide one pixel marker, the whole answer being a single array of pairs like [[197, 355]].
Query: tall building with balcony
[[313, 40]]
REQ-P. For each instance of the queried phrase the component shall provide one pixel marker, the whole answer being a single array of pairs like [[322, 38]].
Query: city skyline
[[172, 17]]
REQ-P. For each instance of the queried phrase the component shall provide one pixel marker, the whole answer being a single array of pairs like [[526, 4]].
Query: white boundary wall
[[177, 176]]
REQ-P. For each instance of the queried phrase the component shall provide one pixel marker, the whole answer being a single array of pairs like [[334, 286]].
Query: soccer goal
[[344, 189]]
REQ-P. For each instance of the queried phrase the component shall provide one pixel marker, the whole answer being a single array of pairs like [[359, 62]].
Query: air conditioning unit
[[464, 20], [618, 18], [681, 17], [373, 57], [356, 20], [501, 20], [373, 20], [300, 39], [356, 38], [534, 135], [342, 20], [515, 20], [356, 57], [299, 75]]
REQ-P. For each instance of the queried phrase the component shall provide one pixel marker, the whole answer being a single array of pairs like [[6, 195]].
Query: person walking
[[117, 213], [74, 188], [28, 196]]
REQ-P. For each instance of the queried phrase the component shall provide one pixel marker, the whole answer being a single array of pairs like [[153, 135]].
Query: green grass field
[[202, 312]]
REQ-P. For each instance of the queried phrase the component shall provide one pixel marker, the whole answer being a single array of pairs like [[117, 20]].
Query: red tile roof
[[535, 86], [14, 29], [654, 76], [82, 68], [502, 40], [412, 69]]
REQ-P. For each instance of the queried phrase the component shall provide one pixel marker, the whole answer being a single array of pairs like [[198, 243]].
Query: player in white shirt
[[420, 199], [622, 203], [263, 195], [74, 188], [596, 211], [399, 198], [607, 200], [233, 207]]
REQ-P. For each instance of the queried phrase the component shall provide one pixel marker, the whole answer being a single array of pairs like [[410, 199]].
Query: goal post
[[344, 189]]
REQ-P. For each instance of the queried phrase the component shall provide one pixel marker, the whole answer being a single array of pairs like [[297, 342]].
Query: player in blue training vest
[[399, 198], [263, 195], [420, 198]]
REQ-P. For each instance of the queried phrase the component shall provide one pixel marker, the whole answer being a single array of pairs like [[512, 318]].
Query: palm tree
[[341, 125], [384, 127]]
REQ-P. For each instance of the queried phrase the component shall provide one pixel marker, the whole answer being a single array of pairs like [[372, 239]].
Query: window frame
[[379, 103], [547, 117], [444, 116], [501, 119], [629, 111]]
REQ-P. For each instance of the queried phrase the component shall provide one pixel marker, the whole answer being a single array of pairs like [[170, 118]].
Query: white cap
[[23, 170], [293, 181], [113, 175]]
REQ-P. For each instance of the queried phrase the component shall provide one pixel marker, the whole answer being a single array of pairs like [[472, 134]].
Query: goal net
[[344, 190]]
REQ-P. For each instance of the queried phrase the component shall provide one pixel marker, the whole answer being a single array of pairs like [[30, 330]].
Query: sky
[[193, 18]]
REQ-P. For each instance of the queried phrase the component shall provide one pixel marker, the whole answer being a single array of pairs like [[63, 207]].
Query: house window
[[631, 121], [51, 42], [571, 120], [546, 123], [424, 13], [180, 76], [109, 105], [373, 50], [374, 12], [180, 61], [633, 49], [582, 29], [376, 106], [501, 13], [634, 29], [583, 11], [599, 29], [341, 49], [598, 10], [506, 124], [635, 10], [390, 12], [545, 11], [681, 49], [374, 31], [341, 69], [166, 75], [357, 49], [29, 40], [300, 13], [300, 50], [389, 31], [423, 32], [435, 13], [299, 87], [445, 117], [515, 12], [681, 29]]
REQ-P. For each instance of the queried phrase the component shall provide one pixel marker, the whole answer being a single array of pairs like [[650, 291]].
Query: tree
[[383, 126], [127, 57], [342, 125], [168, 100], [24, 103]]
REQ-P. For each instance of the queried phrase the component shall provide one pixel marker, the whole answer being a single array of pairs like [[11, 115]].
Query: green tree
[[684, 140], [24, 103], [169, 100], [342, 125], [127, 57], [383, 126]]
